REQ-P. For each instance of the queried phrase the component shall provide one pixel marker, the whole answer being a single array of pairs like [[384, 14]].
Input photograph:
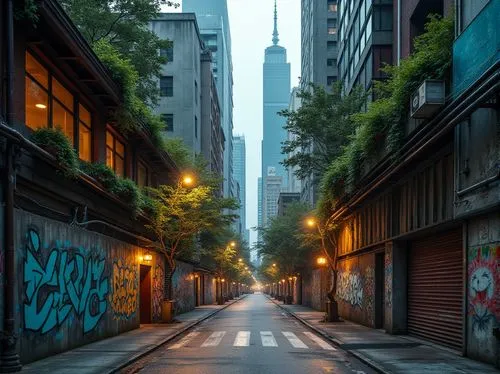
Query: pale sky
[[251, 23]]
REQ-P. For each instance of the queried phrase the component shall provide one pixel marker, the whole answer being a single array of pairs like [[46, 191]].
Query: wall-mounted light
[[321, 261], [41, 106], [222, 280], [148, 257]]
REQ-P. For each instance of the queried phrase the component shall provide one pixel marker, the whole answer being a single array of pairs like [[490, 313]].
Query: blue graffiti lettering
[[62, 285]]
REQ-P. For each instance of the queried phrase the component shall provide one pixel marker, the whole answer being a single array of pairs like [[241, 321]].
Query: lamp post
[[332, 310]]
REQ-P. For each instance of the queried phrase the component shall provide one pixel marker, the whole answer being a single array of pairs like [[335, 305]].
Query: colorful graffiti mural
[[484, 289], [158, 279], [388, 278], [66, 282], [124, 285], [350, 287]]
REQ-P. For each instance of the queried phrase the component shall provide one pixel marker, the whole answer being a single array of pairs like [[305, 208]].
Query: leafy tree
[[321, 127], [124, 24]]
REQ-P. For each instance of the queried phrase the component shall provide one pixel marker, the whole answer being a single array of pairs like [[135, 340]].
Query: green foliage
[[321, 126], [125, 25], [179, 152], [383, 123], [57, 143], [123, 188]]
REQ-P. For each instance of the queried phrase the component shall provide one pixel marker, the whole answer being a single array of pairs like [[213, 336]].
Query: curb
[[137, 357], [374, 365]]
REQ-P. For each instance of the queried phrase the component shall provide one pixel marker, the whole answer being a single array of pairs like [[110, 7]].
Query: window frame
[[167, 93], [140, 162], [116, 138]]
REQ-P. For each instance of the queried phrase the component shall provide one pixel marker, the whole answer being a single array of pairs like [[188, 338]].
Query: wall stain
[[67, 282]]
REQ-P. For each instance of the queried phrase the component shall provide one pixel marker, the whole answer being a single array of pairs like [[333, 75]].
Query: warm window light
[[321, 260], [41, 106]]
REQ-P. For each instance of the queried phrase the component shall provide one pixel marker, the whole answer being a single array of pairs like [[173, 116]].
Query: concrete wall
[[356, 289], [483, 288], [209, 290], [76, 286], [183, 287]]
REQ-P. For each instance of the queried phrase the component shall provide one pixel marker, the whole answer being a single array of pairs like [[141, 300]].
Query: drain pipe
[[9, 357]]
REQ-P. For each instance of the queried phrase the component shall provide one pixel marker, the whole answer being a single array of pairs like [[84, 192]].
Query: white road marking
[[184, 340], [319, 341], [214, 339], [294, 340], [267, 338], [242, 339]]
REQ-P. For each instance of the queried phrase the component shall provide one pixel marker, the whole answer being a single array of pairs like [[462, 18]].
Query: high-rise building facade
[[276, 96], [239, 170], [294, 183], [213, 20], [272, 187], [319, 47]]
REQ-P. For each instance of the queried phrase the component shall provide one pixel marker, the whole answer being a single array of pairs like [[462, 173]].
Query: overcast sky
[[251, 23]]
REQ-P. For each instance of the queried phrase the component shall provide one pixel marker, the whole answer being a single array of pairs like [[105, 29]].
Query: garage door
[[435, 289]]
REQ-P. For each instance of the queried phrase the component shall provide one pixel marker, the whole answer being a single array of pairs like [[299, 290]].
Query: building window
[[332, 27], [331, 45], [142, 175], [168, 120], [49, 104], [382, 18], [331, 62], [168, 53], [196, 92], [330, 80], [115, 154], [196, 127], [167, 86], [332, 6]]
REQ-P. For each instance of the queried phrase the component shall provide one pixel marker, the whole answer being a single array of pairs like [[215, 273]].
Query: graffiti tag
[[65, 283], [123, 300], [158, 277], [350, 287]]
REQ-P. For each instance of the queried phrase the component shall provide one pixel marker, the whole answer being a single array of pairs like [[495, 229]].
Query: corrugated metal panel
[[435, 289]]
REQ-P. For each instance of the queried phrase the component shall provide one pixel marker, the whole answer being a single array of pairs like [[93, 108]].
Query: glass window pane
[[36, 105], [109, 140], [120, 148], [36, 70], [109, 158], [142, 175], [119, 166], [85, 143], [63, 119], [62, 94]]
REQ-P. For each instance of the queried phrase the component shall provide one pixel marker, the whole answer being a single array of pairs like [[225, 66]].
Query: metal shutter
[[435, 289]]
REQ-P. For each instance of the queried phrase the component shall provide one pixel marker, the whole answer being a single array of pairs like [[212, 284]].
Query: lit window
[[332, 30], [332, 6], [167, 86], [115, 154], [142, 175], [84, 134]]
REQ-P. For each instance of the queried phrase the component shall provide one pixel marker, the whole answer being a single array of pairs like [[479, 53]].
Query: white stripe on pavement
[[319, 341], [267, 338], [214, 339], [242, 339], [294, 340], [184, 340]]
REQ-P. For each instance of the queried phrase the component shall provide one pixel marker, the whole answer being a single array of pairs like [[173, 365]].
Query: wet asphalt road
[[251, 336]]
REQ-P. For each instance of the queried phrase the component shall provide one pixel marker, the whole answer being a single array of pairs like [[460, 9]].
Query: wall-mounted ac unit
[[427, 99]]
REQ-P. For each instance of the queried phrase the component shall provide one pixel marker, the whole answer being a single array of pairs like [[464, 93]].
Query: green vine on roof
[[381, 128]]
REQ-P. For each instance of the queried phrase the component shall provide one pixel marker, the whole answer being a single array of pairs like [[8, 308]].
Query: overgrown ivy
[[133, 111], [381, 128], [54, 141]]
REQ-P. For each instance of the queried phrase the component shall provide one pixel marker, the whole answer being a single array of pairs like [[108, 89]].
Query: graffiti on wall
[[369, 292], [158, 279], [388, 279], [484, 289], [67, 282], [124, 285], [350, 287]]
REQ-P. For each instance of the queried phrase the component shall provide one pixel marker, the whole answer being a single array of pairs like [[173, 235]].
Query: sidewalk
[[112, 354], [387, 353]]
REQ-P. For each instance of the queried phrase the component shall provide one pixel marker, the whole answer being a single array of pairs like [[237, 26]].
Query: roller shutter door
[[435, 289]]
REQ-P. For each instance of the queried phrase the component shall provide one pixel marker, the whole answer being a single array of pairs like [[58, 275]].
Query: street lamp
[[240, 260], [321, 261], [274, 265], [232, 244]]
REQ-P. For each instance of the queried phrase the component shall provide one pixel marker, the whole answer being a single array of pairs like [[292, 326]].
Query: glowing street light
[[188, 180], [311, 222], [274, 265], [321, 261], [240, 260], [232, 244]]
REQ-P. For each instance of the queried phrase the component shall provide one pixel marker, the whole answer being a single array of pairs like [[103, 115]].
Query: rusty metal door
[[435, 289]]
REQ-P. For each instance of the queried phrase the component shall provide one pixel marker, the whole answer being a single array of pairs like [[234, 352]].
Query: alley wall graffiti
[[350, 287], [66, 282], [125, 294], [183, 287], [158, 282]]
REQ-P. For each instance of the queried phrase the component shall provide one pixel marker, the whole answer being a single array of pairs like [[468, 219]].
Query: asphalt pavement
[[250, 336]]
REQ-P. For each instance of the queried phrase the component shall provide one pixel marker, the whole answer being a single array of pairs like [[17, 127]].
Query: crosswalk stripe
[[319, 341], [184, 340], [267, 338], [294, 340], [214, 339], [242, 339]]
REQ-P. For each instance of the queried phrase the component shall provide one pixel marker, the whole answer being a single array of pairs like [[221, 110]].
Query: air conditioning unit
[[427, 99]]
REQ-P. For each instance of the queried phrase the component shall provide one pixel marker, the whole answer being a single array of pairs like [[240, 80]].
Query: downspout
[[10, 361]]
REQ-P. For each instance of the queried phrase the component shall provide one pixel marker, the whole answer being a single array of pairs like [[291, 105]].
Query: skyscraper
[[276, 97], [213, 21], [239, 171]]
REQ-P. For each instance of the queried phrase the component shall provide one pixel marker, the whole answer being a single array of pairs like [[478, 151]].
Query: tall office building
[[319, 60], [276, 97], [294, 183], [213, 21], [239, 171]]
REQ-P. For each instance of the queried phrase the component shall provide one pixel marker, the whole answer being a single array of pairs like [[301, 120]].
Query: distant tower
[[276, 97]]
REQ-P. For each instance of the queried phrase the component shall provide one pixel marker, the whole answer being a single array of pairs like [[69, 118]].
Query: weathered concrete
[[395, 284]]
